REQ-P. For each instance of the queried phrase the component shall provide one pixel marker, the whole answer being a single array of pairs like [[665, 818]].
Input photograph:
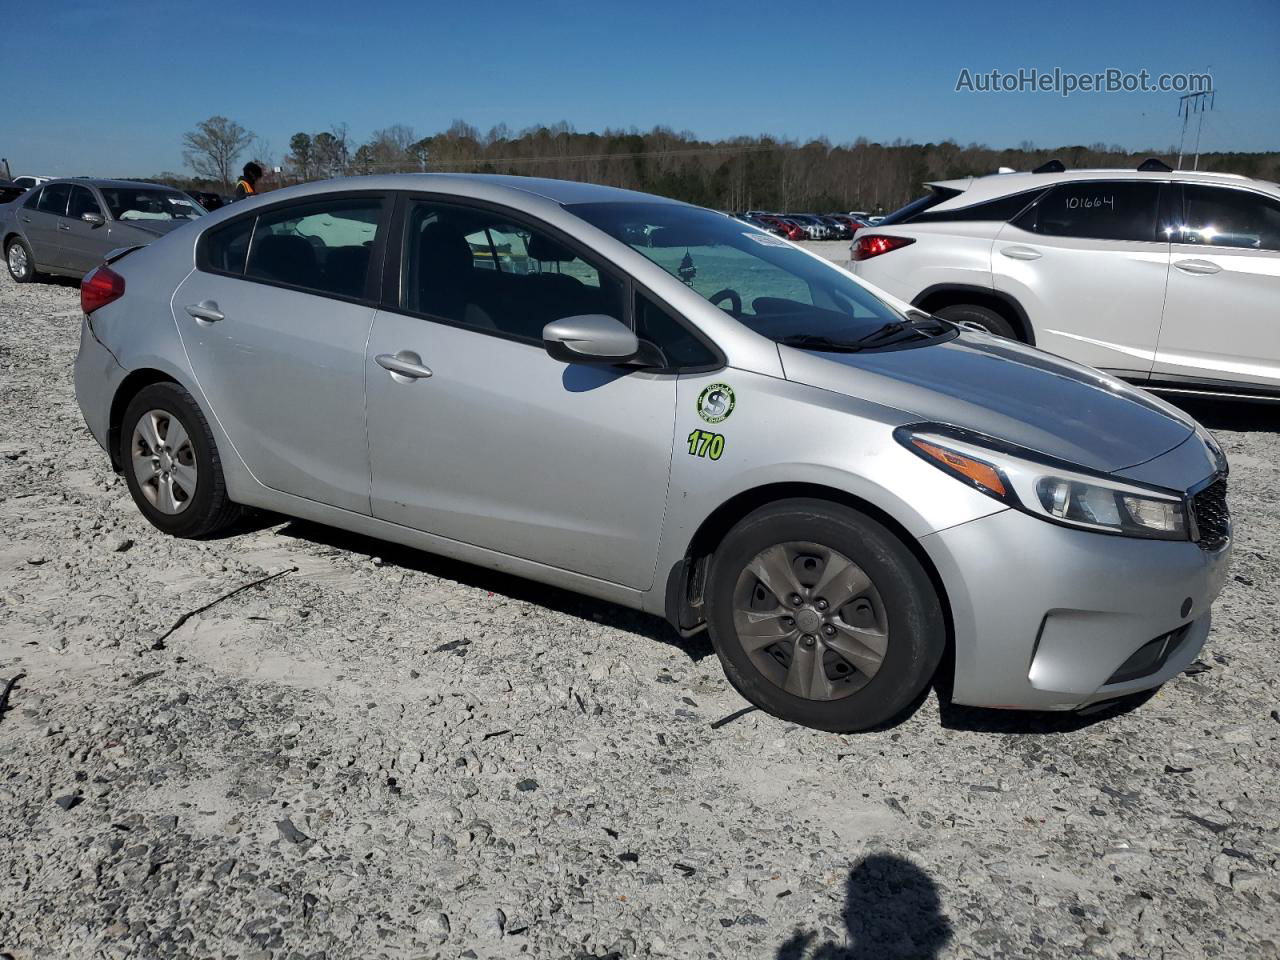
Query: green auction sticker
[[715, 403]]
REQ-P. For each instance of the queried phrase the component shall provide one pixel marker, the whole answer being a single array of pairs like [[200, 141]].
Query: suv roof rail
[[1154, 165], [1051, 166]]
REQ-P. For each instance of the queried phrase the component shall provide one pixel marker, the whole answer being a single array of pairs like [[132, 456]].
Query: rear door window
[[1097, 210], [54, 199], [324, 247], [1223, 217]]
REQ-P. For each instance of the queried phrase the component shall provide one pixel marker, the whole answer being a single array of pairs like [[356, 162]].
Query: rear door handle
[[405, 365], [1021, 253], [1198, 267], [206, 310]]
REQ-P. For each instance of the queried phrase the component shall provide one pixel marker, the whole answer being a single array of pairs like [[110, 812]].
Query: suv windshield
[[761, 280], [129, 203]]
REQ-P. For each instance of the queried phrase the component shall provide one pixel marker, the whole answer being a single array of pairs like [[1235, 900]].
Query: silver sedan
[[673, 410]]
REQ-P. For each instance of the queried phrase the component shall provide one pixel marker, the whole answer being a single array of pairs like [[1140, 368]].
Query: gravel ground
[[380, 753]]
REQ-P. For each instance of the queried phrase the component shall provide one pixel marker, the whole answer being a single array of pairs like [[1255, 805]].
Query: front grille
[[1211, 515]]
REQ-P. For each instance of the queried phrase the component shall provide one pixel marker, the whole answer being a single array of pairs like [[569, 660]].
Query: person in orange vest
[[246, 186]]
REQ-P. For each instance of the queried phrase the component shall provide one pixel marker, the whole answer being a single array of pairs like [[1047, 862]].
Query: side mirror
[[590, 338], [94, 218]]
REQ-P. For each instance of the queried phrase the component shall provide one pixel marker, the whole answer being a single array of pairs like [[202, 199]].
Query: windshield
[[761, 280], [130, 203]]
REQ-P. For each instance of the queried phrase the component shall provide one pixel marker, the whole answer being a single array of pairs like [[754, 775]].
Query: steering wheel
[[730, 294]]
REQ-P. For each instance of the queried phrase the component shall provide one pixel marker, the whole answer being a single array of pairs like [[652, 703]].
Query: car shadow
[[892, 911], [508, 585], [1244, 416], [1032, 722]]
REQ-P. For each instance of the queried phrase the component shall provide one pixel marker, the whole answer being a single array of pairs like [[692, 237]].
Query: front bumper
[[97, 376], [1044, 616]]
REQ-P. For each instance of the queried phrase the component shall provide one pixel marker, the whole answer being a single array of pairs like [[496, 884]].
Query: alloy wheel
[[18, 262], [164, 462], [811, 620]]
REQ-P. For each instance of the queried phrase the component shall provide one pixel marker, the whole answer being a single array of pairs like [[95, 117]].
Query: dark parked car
[[67, 226], [210, 201], [10, 190]]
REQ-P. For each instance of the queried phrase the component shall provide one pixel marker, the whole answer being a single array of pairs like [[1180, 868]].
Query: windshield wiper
[[812, 341], [896, 331]]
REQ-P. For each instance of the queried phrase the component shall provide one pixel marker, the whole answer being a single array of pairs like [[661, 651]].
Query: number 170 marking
[[704, 444]]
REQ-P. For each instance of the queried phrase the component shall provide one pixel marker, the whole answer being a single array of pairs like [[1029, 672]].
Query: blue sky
[[108, 89]]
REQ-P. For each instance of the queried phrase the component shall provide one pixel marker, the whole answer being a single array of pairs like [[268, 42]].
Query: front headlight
[[1051, 490]]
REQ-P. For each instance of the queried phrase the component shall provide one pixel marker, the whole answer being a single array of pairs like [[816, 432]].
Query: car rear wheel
[[822, 616], [171, 463], [983, 317], [22, 266]]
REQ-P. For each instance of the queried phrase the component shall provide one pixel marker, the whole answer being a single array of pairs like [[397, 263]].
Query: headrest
[[285, 258]]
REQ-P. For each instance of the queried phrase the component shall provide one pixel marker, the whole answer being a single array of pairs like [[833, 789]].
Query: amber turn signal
[[982, 474]]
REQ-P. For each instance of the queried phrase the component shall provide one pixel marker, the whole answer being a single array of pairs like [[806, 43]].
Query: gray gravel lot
[[381, 753]]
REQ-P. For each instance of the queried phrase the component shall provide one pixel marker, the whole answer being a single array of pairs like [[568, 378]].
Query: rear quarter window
[[224, 248]]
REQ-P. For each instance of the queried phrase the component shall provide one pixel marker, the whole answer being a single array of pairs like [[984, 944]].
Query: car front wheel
[[171, 463], [822, 616]]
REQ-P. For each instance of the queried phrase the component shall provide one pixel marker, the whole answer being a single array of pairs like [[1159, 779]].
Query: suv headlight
[[1051, 490]]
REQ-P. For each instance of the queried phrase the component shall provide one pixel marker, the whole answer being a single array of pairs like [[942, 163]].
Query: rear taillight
[[101, 286], [873, 244]]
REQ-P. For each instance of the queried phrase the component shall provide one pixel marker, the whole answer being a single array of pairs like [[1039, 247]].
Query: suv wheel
[[822, 616], [983, 317], [171, 464], [22, 266]]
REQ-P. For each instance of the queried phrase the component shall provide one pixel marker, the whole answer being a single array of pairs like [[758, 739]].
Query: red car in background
[[784, 227]]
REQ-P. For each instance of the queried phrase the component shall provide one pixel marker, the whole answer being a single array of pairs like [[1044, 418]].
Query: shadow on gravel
[[979, 720], [517, 588], [1240, 415], [891, 912]]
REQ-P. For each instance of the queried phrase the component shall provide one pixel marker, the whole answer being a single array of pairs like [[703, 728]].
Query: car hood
[[153, 228], [1009, 391]]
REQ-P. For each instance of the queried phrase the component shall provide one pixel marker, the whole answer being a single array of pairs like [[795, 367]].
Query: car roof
[[976, 189], [499, 186], [129, 184]]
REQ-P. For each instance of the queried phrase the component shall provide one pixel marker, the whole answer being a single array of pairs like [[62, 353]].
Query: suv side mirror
[[590, 338], [94, 218]]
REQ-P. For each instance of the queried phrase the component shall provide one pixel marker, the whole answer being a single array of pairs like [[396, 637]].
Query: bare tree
[[212, 148]]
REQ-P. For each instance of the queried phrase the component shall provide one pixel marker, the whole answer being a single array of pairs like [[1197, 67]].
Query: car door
[[1222, 313], [1088, 262], [41, 217], [84, 243], [492, 442], [274, 320]]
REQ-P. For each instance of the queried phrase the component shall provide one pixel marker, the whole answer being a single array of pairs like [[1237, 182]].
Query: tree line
[[740, 173]]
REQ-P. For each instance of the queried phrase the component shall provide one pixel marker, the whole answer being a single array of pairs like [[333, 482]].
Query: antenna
[[1198, 103]]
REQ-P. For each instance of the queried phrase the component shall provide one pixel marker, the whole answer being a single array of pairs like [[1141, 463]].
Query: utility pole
[[1189, 103]]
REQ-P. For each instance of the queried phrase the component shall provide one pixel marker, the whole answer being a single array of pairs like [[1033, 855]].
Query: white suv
[[1166, 278]]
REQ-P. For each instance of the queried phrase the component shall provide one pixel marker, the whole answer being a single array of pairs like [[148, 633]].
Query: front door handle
[[403, 366], [63, 226], [206, 310], [1021, 253], [1197, 267]]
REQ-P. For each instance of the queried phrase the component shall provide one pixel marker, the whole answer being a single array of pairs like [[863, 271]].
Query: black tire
[[916, 626], [208, 509], [983, 317], [30, 273]]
